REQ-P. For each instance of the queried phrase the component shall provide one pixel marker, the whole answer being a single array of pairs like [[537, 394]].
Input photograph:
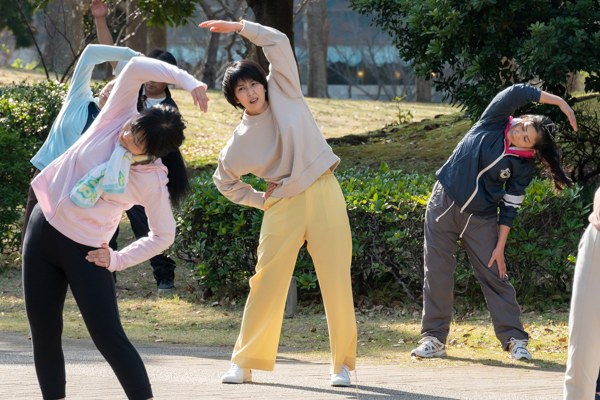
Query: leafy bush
[[484, 43], [218, 239], [27, 112]]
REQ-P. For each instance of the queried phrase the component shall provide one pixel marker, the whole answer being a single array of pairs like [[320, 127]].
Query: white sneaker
[[430, 347], [518, 349], [237, 375], [343, 378]]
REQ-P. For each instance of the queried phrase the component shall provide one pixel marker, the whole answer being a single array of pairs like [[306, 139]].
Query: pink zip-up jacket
[[147, 184]]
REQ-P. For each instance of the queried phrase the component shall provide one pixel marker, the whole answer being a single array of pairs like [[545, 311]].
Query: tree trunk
[[137, 41], [64, 37], [423, 89], [209, 76], [318, 32], [156, 38], [278, 14]]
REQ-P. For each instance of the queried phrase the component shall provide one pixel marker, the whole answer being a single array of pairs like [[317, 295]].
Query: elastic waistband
[[325, 174]]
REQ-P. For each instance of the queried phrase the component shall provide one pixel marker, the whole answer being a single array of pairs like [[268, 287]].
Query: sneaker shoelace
[[345, 371], [516, 344], [427, 341], [234, 369]]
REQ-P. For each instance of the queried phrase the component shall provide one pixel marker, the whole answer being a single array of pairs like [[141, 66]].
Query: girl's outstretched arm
[[276, 47], [548, 98]]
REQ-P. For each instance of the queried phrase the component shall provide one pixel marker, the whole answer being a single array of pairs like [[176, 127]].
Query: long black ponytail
[[161, 131], [547, 151]]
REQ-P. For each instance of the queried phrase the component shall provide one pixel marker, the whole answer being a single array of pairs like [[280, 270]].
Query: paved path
[[181, 373]]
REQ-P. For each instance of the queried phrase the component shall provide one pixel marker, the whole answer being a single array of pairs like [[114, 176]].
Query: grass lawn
[[386, 334], [408, 147]]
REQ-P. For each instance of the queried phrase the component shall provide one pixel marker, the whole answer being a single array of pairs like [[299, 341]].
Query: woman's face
[[105, 94], [130, 140], [155, 89], [252, 96], [523, 135]]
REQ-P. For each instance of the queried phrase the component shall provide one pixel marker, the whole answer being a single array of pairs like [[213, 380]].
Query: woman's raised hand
[[99, 8], [200, 98], [222, 26], [568, 111]]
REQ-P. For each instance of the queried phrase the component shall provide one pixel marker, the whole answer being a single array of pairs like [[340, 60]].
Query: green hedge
[[218, 239], [27, 112]]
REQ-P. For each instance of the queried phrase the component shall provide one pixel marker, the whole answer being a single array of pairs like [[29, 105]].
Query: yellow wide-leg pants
[[318, 216]]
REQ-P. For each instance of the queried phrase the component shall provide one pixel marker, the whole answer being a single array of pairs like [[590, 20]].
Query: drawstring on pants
[[463, 231], [444, 213], [448, 209]]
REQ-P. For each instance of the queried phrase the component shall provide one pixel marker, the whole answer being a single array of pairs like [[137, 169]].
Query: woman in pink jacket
[[123, 159]]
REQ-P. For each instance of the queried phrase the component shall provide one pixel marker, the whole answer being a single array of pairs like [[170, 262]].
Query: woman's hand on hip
[[200, 98], [100, 257], [498, 257], [222, 26], [272, 186]]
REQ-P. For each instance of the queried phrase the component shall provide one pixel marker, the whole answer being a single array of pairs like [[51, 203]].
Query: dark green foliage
[[27, 112], [478, 47], [218, 239], [12, 19]]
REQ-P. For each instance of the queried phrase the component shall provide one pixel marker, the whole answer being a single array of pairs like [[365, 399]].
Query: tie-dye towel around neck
[[110, 177]]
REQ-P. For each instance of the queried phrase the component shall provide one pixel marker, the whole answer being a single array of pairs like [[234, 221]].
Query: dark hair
[[243, 70], [163, 55], [547, 151], [160, 129]]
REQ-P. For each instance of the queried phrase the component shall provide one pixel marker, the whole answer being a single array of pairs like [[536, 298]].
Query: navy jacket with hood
[[481, 174]]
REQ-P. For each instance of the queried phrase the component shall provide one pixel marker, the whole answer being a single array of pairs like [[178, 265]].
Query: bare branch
[[301, 8], [33, 37], [584, 98]]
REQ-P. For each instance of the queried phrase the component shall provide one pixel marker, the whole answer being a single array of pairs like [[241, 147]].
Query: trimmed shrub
[[218, 239], [27, 112]]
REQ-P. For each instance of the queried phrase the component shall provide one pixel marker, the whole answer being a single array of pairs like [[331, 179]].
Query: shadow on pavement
[[351, 392], [541, 364]]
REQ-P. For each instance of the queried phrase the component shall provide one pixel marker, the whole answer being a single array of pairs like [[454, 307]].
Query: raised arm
[[99, 11], [276, 47], [82, 76], [124, 95], [231, 186], [509, 100], [548, 98]]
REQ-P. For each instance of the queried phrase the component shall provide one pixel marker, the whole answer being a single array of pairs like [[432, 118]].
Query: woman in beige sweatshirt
[[583, 364], [278, 140]]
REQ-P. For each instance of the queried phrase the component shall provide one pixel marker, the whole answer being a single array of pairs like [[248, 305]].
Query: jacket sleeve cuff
[[507, 221], [115, 261], [250, 30], [257, 200]]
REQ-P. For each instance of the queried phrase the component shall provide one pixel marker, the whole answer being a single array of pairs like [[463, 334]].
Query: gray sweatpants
[[479, 238]]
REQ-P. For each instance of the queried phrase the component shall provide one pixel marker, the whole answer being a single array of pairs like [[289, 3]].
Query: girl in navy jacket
[[488, 171]]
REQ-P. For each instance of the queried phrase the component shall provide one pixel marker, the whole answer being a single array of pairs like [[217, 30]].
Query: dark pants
[[598, 384], [51, 262], [31, 202], [442, 232], [164, 267]]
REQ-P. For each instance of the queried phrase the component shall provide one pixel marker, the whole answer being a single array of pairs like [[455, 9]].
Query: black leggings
[[51, 262]]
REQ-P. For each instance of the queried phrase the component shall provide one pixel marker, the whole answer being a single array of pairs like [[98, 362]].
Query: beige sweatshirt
[[595, 215], [282, 145]]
